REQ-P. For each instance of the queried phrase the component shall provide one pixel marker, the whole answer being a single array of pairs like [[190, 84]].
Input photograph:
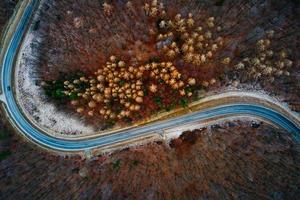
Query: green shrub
[[117, 165], [183, 102], [4, 154], [4, 135]]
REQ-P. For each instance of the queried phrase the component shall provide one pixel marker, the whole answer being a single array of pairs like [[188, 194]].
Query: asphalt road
[[39, 137]]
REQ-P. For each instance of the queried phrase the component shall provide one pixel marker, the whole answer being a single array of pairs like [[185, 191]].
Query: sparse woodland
[[228, 161], [122, 61], [233, 161]]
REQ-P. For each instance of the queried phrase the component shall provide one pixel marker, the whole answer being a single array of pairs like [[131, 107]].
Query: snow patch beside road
[[32, 100]]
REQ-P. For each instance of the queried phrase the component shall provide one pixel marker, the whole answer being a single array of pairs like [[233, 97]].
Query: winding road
[[36, 134]]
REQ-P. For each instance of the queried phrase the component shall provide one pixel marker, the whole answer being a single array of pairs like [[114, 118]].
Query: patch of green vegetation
[[76, 170], [189, 89], [222, 77], [158, 101], [58, 17], [118, 59], [297, 2], [55, 89], [110, 123], [138, 115], [170, 107], [117, 165], [184, 102], [161, 81], [4, 154], [4, 135], [33, 45], [36, 25], [145, 92], [121, 82], [135, 162], [82, 86], [109, 104], [58, 93], [155, 59], [127, 120], [118, 108], [219, 2], [73, 96]]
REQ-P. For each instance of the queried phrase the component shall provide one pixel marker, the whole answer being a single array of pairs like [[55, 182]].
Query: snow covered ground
[[32, 100]]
